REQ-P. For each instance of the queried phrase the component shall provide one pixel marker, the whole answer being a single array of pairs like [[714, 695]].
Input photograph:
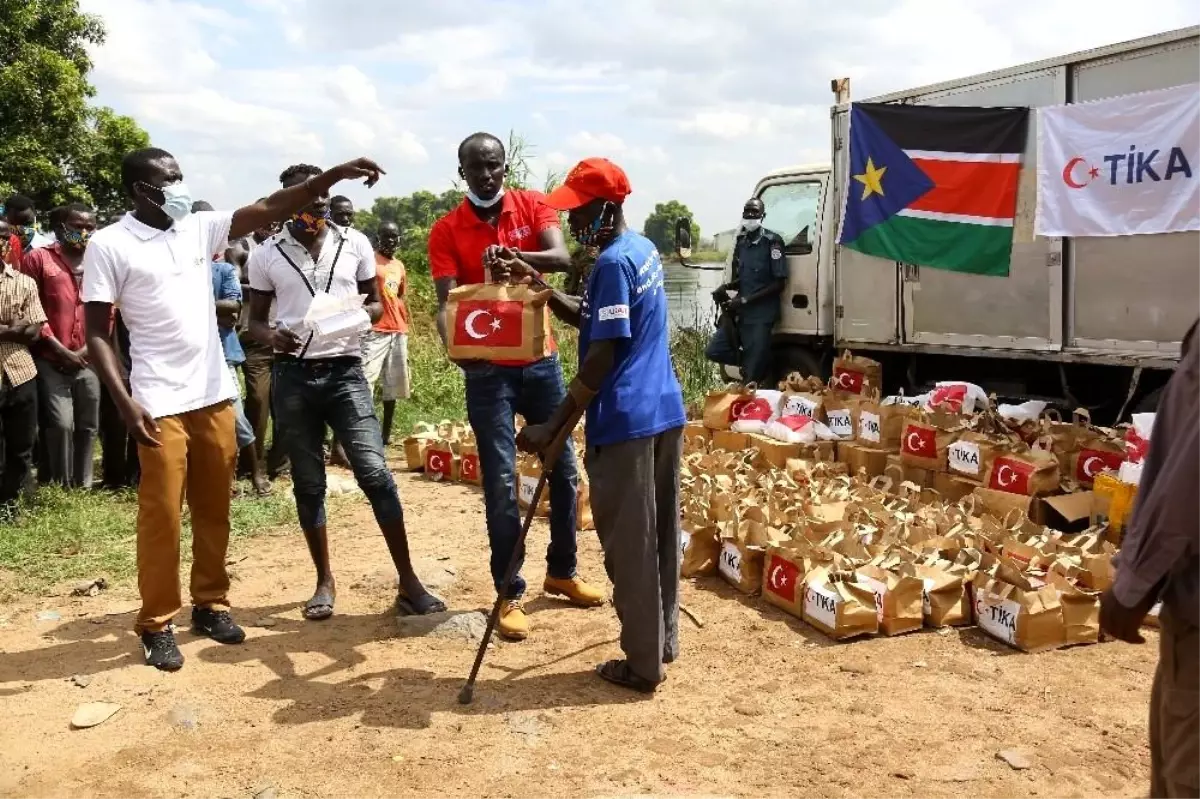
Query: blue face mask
[[177, 200], [590, 236]]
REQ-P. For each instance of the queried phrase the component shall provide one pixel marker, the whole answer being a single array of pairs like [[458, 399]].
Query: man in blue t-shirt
[[227, 291], [635, 419]]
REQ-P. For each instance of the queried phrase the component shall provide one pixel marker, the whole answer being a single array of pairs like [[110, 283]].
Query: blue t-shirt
[[625, 301], [227, 286]]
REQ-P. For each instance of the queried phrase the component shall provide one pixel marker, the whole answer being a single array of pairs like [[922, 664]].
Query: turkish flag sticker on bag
[[1094, 459], [781, 579], [852, 373], [923, 445], [440, 461], [1030, 474], [498, 323]]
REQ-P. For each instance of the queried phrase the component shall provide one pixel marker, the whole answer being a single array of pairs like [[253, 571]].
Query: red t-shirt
[[458, 239], [58, 289]]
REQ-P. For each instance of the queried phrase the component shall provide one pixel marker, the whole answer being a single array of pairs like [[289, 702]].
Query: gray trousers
[[635, 504], [71, 410]]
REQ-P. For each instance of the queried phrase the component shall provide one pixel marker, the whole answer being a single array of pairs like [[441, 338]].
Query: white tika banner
[[1122, 166]]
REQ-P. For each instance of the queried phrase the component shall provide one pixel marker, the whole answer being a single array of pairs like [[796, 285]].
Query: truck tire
[[804, 360], [1149, 403]]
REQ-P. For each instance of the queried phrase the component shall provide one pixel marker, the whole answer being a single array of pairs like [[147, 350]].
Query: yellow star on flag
[[872, 179]]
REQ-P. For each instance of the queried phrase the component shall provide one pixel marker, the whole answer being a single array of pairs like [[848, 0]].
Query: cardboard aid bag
[[945, 600], [529, 471], [1026, 472], [881, 423], [468, 462], [972, 454], [783, 577], [1028, 618], [841, 414], [854, 373], [699, 550], [924, 444], [416, 444], [583, 506], [837, 605], [441, 461], [498, 322], [898, 599], [743, 548], [1080, 610], [1096, 454], [802, 397], [721, 405]]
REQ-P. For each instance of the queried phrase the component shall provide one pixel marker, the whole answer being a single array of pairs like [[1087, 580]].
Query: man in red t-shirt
[[68, 388], [493, 224]]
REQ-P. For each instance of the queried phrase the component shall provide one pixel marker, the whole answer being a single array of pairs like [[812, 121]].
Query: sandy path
[[759, 704]]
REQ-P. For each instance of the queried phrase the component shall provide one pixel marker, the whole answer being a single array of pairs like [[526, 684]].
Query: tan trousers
[[195, 462], [1175, 711]]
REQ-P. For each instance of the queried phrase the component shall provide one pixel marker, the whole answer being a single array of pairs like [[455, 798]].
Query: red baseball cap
[[590, 179]]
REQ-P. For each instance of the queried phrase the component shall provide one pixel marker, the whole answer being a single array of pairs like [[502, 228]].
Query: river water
[[689, 294]]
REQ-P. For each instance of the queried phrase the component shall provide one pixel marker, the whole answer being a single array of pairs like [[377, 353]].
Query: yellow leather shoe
[[513, 624], [575, 590]]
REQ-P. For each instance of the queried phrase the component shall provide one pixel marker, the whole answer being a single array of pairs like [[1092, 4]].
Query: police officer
[[759, 275]]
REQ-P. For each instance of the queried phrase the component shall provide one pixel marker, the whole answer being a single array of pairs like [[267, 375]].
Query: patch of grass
[[68, 535]]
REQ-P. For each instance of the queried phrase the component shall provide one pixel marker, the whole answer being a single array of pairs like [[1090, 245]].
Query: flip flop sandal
[[320, 607], [618, 672], [427, 605]]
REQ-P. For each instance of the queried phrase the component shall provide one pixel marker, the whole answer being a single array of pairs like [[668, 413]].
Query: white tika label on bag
[[964, 457], [879, 590], [795, 405], [840, 423], [527, 487], [731, 562], [685, 538], [868, 427], [821, 604], [997, 617], [926, 607]]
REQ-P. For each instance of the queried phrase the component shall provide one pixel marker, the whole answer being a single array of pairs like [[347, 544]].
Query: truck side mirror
[[683, 237]]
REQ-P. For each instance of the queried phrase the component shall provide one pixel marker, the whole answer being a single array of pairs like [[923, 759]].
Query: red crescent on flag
[[1069, 169]]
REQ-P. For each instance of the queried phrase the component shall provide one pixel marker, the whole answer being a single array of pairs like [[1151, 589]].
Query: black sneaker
[[161, 651], [217, 625]]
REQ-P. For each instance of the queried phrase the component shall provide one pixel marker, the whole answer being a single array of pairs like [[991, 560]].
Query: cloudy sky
[[695, 98]]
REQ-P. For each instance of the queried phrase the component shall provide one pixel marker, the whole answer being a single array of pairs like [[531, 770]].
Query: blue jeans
[[242, 428], [495, 395], [307, 396], [755, 357]]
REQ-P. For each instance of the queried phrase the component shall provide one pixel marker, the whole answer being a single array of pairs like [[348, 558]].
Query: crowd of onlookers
[[52, 405], [54, 408]]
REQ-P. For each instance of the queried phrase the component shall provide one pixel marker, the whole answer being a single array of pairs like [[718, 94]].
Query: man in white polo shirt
[[154, 264], [319, 381]]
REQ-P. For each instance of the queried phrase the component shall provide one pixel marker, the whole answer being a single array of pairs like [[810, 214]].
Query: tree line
[[54, 145]]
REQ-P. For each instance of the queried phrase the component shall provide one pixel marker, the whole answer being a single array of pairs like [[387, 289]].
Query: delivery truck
[[1086, 322]]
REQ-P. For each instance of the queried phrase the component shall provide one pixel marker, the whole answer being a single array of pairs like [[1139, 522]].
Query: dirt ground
[[758, 704]]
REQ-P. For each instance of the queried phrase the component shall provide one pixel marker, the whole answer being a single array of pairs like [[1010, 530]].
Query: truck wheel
[[806, 361], [1149, 403]]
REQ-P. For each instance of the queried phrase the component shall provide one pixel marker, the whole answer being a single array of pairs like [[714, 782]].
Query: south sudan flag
[[934, 185]]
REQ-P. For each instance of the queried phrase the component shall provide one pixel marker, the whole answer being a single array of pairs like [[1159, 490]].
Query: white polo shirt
[[283, 267], [162, 281]]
